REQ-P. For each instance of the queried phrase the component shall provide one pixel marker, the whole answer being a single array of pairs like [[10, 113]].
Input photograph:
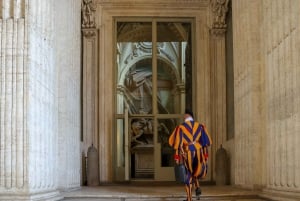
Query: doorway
[[153, 87]]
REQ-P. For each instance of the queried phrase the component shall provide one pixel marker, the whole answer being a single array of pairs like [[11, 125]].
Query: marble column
[[29, 98], [67, 32], [13, 146], [28, 103]]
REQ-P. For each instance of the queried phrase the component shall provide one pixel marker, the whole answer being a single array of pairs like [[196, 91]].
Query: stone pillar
[[13, 135], [249, 94], [68, 63], [218, 85], [90, 74], [90, 70], [281, 53], [29, 118], [90, 87], [218, 73]]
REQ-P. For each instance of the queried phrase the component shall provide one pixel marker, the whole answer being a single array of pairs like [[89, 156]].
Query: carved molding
[[201, 3], [219, 10], [88, 8], [217, 32], [88, 33]]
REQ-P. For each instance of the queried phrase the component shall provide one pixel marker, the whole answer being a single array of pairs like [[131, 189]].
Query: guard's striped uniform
[[191, 140]]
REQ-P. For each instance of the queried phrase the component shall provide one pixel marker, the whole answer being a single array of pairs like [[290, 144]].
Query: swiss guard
[[190, 141]]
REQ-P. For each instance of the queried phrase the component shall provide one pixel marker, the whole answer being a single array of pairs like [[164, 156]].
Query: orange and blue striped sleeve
[[205, 138], [175, 139]]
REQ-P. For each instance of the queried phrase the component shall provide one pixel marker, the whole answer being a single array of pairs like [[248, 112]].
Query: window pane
[[173, 64], [120, 143], [134, 67], [142, 158], [165, 128]]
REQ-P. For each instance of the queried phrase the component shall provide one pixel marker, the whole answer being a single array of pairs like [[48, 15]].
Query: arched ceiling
[[142, 32]]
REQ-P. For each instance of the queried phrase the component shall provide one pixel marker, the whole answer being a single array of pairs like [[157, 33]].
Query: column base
[[46, 196], [278, 195]]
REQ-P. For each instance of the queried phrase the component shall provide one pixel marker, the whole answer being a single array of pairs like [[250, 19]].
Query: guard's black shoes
[[198, 191]]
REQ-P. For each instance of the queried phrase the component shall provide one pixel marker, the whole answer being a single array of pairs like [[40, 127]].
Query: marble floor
[[135, 192]]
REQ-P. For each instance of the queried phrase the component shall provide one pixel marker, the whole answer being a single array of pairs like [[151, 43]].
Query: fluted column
[[68, 64], [13, 147], [90, 86], [218, 84], [218, 74], [281, 49], [29, 117], [41, 117], [91, 72], [267, 96], [249, 94]]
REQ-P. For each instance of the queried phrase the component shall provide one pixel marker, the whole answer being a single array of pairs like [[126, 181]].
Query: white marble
[[12, 97], [67, 54], [38, 90]]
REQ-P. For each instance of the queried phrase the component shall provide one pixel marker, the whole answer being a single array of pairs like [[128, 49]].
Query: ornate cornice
[[88, 8], [219, 10]]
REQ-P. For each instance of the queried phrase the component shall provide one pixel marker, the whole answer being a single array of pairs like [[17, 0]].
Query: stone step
[[164, 199], [99, 199], [158, 193]]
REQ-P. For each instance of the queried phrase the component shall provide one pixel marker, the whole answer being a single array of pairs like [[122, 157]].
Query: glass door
[[151, 94]]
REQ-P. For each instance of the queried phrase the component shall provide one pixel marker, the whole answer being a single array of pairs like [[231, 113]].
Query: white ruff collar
[[189, 119]]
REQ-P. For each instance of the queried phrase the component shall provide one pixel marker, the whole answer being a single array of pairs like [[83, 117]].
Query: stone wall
[[266, 67], [39, 85]]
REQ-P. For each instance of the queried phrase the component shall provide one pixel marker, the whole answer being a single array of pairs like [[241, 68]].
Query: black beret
[[187, 111]]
